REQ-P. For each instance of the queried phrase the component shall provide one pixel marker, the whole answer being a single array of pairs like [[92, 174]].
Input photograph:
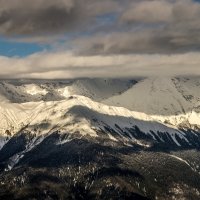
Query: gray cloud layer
[[152, 26], [110, 37], [27, 17], [66, 65], [141, 26]]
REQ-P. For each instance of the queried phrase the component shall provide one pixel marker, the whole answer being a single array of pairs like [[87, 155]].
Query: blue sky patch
[[20, 49]]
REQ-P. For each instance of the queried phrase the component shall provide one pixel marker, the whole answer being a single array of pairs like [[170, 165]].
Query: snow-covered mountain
[[161, 97], [85, 106], [150, 114]]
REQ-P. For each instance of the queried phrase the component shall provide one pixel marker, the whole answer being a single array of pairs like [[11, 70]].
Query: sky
[[90, 38]]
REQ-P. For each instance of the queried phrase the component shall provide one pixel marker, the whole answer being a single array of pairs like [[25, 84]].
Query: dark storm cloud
[[28, 17], [140, 42], [151, 26], [140, 26]]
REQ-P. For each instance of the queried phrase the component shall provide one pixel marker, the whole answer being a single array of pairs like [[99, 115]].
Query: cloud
[[157, 11], [149, 26], [148, 12], [139, 26], [139, 42], [22, 17], [103, 38], [67, 65]]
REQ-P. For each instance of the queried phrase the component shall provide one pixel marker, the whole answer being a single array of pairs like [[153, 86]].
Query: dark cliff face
[[97, 168]]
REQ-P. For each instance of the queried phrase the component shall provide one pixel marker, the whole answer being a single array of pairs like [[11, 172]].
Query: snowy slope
[[22, 101], [46, 90], [77, 115], [155, 96], [99, 89], [173, 100], [89, 106]]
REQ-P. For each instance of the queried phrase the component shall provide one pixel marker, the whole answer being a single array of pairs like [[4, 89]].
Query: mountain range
[[135, 138]]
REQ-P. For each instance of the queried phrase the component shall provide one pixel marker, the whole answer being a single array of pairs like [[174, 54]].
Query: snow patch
[[35, 89]]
